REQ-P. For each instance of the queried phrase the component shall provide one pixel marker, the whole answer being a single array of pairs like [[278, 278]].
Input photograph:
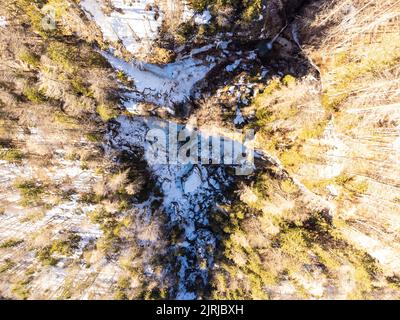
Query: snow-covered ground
[[189, 192], [161, 85], [203, 18], [3, 22], [135, 23], [45, 226], [336, 155]]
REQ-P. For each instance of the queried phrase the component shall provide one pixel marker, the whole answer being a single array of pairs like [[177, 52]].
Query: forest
[[190, 150]]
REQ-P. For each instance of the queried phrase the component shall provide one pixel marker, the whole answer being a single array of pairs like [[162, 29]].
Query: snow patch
[[336, 153], [135, 23], [333, 190], [3, 22], [239, 117], [164, 86], [203, 18]]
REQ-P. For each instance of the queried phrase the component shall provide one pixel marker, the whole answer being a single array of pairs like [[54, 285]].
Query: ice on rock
[[239, 117], [3, 22], [166, 85], [203, 18], [232, 67], [193, 182]]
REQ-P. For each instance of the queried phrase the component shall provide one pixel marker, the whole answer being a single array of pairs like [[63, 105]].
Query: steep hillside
[[335, 131]]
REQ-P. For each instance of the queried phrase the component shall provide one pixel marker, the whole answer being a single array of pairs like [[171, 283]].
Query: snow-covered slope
[[162, 85], [134, 23]]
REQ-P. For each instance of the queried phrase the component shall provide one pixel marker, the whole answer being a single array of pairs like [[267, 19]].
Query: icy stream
[[190, 190]]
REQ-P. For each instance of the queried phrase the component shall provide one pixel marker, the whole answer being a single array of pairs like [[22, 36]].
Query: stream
[[190, 190]]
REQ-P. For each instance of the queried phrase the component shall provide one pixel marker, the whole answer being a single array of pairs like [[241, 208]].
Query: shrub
[[63, 55], [30, 59], [288, 186], [94, 137], [161, 56], [8, 264], [31, 192], [31, 8], [253, 10], [11, 155], [124, 79], [44, 255], [288, 80], [185, 31], [80, 88], [10, 243], [293, 242], [65, 247], [292, 158], [106, 113], [122, 288], [200, 5], [34, 95], [313, 131], [90, 198], [66, 120], [20, 289], [353, 186], [272, 86]]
